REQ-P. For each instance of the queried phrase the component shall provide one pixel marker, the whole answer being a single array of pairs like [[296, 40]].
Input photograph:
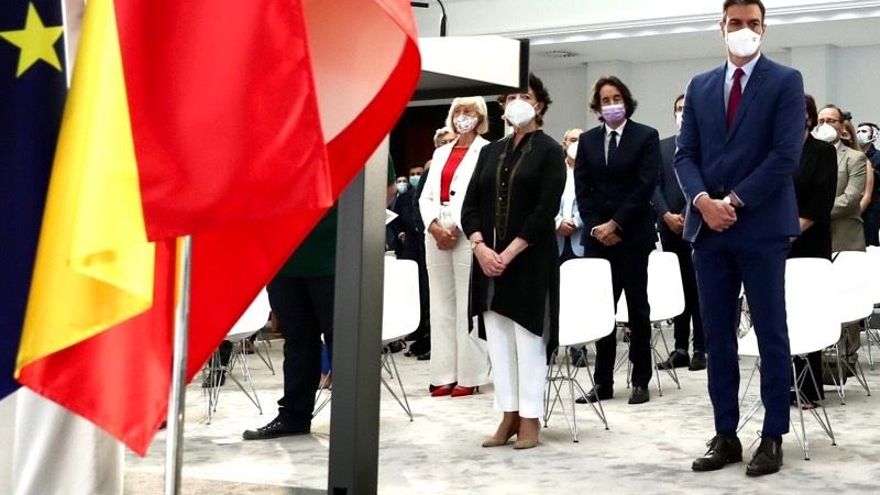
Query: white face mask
[[825, 133], [743, 43], [866, 136], [678, 117], [465, 123], [572, 150], [401, 187], [518, 113]]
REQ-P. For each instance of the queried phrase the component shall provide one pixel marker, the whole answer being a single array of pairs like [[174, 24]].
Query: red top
[[452, 163]]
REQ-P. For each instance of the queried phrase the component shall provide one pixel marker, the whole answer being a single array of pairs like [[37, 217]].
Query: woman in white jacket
[[459, 361]]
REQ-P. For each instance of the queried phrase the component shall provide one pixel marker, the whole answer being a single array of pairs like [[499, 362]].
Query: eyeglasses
[[828, 121]]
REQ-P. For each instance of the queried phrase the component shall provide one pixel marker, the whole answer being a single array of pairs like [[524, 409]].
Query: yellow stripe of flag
[[94, 266]]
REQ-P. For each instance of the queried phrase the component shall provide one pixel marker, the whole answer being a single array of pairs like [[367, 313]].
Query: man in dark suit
[[615, 175], [669, 205], [740, 143]]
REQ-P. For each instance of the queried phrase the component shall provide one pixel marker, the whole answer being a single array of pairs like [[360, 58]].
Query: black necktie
[[612, 147]]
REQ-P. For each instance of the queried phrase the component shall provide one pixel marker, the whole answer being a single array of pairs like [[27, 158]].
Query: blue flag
[[32, 91]]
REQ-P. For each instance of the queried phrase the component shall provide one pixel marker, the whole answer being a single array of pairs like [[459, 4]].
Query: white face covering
[[518, 113], [743, 43], [825, 133], [866, 136], [572, 150], [465, 123], [678, 118]]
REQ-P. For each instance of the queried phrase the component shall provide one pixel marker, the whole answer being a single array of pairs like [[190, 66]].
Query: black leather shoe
[[722, 451], [677, 359], [698, 362], [639, 395], [276, 428], [597, 393], [767, 459]]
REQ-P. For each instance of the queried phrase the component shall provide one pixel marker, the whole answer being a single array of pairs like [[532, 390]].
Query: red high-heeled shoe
[[442, 390], [459, 391]]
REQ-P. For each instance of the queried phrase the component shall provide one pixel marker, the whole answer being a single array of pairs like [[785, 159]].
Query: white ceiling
[[650, 30]]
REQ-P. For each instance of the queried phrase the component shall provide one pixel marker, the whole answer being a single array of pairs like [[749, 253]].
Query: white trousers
[[519, 359], [456, 354]]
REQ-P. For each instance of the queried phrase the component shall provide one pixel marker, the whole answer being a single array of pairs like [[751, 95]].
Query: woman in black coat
[[815, 185], [508, 215]]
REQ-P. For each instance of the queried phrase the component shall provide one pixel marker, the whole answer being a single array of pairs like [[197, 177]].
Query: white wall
[[849, 77]]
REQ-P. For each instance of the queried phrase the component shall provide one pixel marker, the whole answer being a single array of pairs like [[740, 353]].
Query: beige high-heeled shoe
[[527, 435], [506, 430]]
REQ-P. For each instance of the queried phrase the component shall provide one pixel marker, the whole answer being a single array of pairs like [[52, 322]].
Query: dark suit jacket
[[536, 182], [405, 223], [755, 158], [815, 186], [668, 197], [622, 189]]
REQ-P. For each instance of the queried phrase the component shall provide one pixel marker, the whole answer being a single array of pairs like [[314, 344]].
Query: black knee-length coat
[[516, 193]]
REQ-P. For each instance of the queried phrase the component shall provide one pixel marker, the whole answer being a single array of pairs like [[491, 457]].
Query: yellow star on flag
[[36, 42]]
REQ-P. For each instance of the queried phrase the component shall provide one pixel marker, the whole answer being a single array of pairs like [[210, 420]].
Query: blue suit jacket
[[755, 158]]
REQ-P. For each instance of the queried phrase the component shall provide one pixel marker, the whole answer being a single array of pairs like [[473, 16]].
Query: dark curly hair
[[541, 96], [628, 101]]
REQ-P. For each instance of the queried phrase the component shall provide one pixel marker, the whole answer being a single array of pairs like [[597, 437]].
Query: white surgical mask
[[825, 133], [572, 150], [866, 136], [401, 187], [465, 123], [414, 180], [743, 43], [518, 113], [678, 117]]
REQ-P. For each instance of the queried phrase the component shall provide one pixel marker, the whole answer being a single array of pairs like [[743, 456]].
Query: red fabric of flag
[[231, 147]]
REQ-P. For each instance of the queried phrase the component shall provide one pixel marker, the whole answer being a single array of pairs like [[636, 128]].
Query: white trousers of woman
[[519, 361], [456, 354]]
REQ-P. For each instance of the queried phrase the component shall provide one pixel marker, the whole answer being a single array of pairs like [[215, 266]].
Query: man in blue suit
[[740, 143]]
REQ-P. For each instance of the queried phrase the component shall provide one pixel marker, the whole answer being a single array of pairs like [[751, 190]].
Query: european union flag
[[32, 91]]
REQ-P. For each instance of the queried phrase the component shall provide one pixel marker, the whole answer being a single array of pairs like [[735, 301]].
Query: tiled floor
[[648, 448]]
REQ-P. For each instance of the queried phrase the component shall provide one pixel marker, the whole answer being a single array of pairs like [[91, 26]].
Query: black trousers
[[629, 272], [304, 308], [871, 218], [682, 332]]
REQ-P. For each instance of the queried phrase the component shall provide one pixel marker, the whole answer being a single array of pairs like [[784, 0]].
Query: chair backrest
[[813, 323], [665, 291], [874, 273], [253, 318], [401, 305], [852, 286], [586, 301]]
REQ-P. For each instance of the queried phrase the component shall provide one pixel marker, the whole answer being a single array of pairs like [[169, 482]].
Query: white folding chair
[[852, 290], [400, 317], [666, 300], [249, 323], [812, 326], [872, 335], [586, 312]]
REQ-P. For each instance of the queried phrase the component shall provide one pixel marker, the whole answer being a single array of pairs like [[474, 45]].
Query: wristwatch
[[474, 244]]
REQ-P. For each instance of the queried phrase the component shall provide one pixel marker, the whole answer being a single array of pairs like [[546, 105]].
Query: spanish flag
[[238, 123]]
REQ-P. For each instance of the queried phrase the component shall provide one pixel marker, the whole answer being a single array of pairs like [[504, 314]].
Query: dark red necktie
[[736, 92]]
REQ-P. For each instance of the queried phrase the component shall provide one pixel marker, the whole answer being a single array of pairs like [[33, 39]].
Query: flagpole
[[174, 439]]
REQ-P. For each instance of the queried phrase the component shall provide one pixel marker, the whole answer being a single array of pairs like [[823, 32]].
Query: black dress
[[815, 184], [516, 193]]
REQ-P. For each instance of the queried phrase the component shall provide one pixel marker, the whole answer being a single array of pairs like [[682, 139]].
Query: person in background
[[868, 136], [847, 231], [669, 204], [848, 137], [815, 183], [444, 135], [569, 226], [508, 217], [615, 175], [421, 337], [459, 361]]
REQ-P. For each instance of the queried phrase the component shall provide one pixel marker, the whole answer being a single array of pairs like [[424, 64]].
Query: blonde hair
[[479, 103]]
